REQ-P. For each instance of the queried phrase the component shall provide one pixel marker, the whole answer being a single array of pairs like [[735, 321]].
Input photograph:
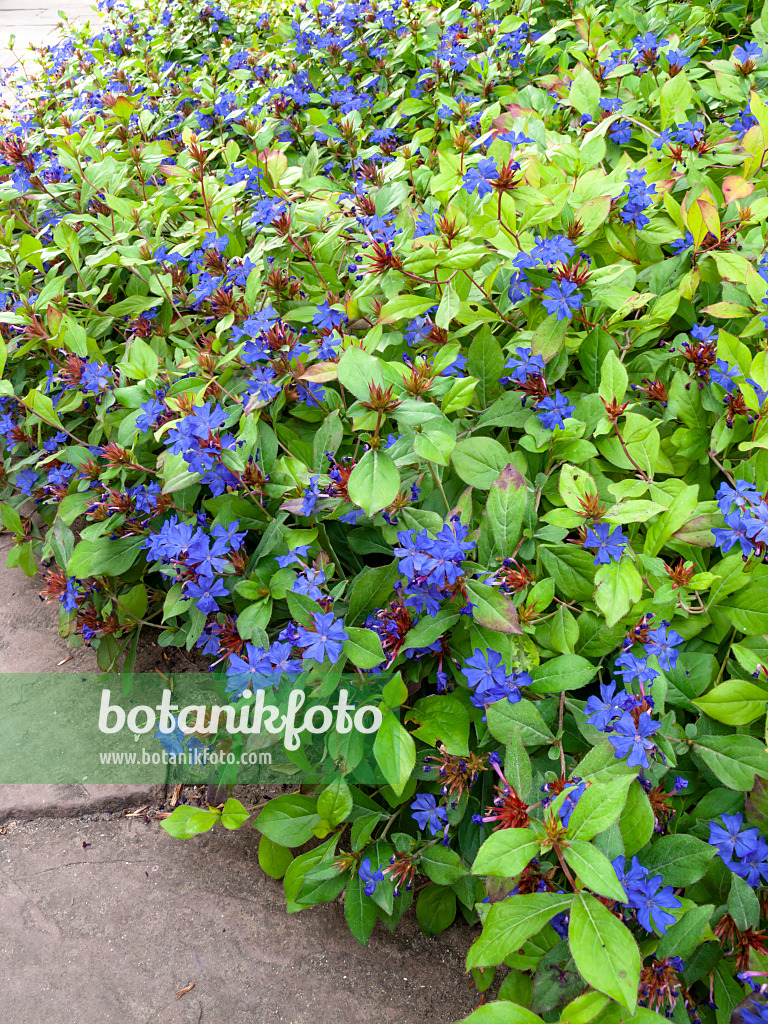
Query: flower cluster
[[745, 852], [651, 900]]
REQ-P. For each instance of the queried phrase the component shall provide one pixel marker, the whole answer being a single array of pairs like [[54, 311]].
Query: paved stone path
[[36, 23], [105, 921]]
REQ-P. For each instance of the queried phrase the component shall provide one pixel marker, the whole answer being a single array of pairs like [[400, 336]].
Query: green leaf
[[359, 910], [448, 308], [574, 485], [459, 396], [234, 814], [358, 370], [735, 760], [505, 508], [492, 609], [619, 587], [636, 821], [104, 557], [566, 672], [506, 853], [374, 482], [679, 513], [505, 720], [363, 648], [584, 1008], [371, 590], [485, 362], [186, 822], [585, 92], [335, 802], [563, 630], [735, 702], [273, 858], [743, 904], [328, 437], [395, 751], [430, 628], [442, 718], [404, 307], [517, 765], [594, 869], [176, 474], [436, 442], [42, 406], [11, 519], [479, 461], [510, 922], [441, 864], [679, 859], [142, 361], [604, 951], [501, 1013], [682, 938], [435, 909], [613, 379], [676, 94], [598, 808], [288, 819]]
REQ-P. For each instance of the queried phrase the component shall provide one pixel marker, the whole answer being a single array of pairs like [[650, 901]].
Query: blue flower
[[26, 480], [172, 742], [750, 53], [427, 814], [204, 593], [553, 412], [728, 839], [293, 556], [757, 524], [523, 364], [741, 495], [309, 583], [562, 299], [661, 644], [371, 878], [555, 249], [329, 318], [677, 58], [573, 795], [484, 669], [254, 671], [646, 895], [609, 543], [620, 132], [425, 225], [690, 133], [311, 494], [281, 658], [653, 903], [734, 532], [325, 641], [630, 667], [603, 710], [480, 177], [631, 740]]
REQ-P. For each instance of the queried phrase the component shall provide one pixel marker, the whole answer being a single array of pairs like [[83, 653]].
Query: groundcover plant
[[425, 346]]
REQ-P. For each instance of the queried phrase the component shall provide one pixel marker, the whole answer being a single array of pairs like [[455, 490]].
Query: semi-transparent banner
[[71, 728]]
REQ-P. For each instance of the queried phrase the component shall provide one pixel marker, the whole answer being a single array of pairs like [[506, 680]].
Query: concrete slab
[[26, 802], [107, 921], [29, 630]]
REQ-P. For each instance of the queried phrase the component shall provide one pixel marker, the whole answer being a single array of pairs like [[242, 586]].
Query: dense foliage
[[424, 348]]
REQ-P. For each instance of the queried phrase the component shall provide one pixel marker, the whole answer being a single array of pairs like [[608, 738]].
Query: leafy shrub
[[424, 346]]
